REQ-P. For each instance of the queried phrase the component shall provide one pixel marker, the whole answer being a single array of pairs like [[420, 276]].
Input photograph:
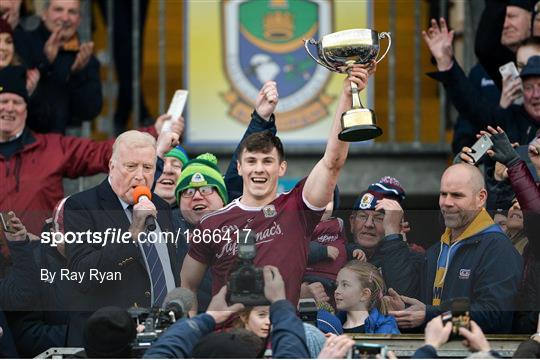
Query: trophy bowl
[[337, 52], [355, 46]]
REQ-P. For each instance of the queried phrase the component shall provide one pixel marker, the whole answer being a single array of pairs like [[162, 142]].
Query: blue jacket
[[180, 339], [485, 268], [425, 352], [376, 323], [288, 335]]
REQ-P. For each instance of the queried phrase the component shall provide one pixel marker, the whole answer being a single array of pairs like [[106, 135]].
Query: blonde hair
[[370, 277], [132, 139]]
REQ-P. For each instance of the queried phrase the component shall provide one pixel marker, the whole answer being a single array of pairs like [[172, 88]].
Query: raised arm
[[320, 184], [463, 94], [262, 119]]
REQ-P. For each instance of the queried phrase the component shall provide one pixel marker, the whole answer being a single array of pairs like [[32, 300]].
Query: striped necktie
[[155, 267]]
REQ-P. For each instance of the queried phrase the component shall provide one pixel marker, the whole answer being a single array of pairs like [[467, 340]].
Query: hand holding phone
[[512, 92], [479, 149], [13, 227], [5, 219]]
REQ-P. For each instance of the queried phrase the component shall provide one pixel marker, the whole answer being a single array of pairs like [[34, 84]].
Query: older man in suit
[[136, 272]]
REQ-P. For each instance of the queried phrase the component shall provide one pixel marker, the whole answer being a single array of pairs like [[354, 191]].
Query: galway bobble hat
[[13, 81], [202, 171], [179, 153], [387, 187]]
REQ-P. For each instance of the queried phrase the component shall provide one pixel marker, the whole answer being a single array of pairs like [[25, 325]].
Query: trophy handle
[[313, 42], [382, 36]]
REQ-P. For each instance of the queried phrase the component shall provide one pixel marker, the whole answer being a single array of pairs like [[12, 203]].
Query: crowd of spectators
[[357, 269]]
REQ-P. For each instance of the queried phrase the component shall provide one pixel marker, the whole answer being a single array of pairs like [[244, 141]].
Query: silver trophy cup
[[337, 52]]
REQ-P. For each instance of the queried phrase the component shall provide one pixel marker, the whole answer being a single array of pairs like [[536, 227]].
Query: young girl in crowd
[[255, 319], [359, 302], [8, 56]]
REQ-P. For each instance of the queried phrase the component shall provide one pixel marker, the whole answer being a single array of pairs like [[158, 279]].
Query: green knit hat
[[179, 153], [202, 171]]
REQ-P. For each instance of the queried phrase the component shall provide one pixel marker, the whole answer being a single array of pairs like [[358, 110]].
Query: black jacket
[[398, 263], [18, 288], [7, 347], [61, 98], [487, 46], [46, 326], [516, 122], [97, 210]]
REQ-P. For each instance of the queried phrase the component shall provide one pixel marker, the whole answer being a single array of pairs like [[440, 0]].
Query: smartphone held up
[[175, 108], [480, 148], [510, 72], [5, 219]]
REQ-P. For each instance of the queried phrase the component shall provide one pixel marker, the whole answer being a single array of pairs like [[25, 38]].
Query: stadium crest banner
[[233, 47]]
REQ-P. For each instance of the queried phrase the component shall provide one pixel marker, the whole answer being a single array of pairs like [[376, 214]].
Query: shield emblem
[[263, 41], [365, 202]]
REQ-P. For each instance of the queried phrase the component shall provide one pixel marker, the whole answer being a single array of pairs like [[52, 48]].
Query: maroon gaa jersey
[[282, 228], [329, 233]]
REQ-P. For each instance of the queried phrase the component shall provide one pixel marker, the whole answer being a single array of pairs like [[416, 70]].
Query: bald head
[[471, 175]]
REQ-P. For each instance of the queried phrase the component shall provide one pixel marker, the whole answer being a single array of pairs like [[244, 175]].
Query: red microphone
[[143, 192]]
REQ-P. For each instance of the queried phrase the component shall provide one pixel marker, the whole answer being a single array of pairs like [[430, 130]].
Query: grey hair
[[133, 139]]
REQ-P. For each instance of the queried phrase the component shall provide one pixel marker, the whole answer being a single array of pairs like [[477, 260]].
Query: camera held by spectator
[[246, 283]]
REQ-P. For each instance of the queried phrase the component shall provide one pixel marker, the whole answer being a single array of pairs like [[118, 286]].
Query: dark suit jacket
[[98, 209]]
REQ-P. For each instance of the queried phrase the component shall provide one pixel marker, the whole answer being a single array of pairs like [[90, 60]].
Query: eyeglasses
[[203, 190], [377, 218]]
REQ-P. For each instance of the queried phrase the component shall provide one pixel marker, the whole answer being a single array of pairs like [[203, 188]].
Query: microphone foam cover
[[141, 191]]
